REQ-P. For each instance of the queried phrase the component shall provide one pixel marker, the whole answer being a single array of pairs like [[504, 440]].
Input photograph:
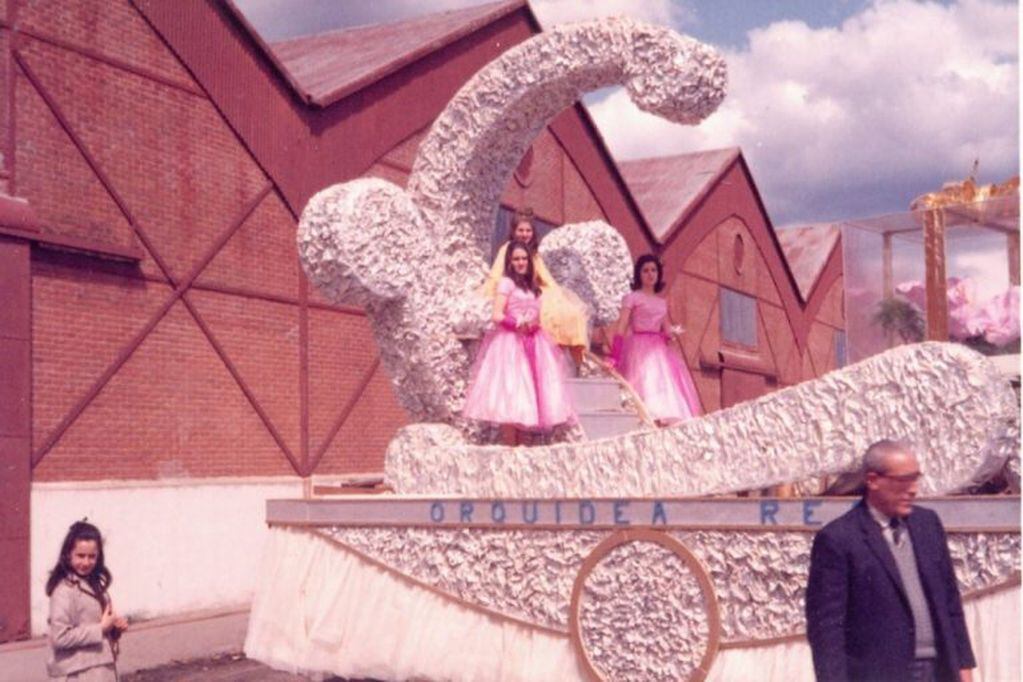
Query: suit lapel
[[879, 546]]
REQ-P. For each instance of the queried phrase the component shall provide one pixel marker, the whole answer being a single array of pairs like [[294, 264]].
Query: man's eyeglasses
[[901, 478]]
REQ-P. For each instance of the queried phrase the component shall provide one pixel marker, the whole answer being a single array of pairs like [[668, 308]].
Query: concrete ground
[[224, 668], [196, 646], [202, 646]]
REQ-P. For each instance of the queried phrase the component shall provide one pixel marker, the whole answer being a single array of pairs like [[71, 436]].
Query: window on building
[[840, 357], [501, 227], [738, 318]]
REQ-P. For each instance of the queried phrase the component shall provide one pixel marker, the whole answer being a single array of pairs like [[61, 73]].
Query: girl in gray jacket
[[83, 626]]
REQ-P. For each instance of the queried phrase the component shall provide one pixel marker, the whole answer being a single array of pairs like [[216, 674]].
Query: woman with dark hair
[[83, 626], [563, 315], [519, 376], [641, 353]]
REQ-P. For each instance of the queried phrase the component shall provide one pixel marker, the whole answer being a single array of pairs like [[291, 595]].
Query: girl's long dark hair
[[526, 282], [524, 215], [637, 282], [99, 580]]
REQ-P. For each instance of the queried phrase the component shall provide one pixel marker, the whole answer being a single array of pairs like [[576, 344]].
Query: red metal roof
[[326, 67], [667, 187], [807, 249]]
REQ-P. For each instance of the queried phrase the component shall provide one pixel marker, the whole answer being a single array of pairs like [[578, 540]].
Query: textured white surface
[[364, 242], [465, 162], [946, 399], [414, 259], [524, 574], [759, 577], [592, 260], [1012, 473], [643, 616]]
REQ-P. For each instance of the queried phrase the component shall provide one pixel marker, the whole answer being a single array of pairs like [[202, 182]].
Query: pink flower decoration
[[1000, 318], [997, 320]]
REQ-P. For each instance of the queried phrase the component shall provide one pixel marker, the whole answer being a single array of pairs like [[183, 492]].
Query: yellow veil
[[562, 313]]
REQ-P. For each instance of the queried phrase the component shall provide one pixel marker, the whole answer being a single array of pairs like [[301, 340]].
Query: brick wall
[[112, 130]]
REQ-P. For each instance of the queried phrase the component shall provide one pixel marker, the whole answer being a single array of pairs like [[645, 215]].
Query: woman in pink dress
[[519, 376], [641, 351]]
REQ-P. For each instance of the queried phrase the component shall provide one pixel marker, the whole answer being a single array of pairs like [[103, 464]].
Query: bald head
[[891, 473], [877, 455]]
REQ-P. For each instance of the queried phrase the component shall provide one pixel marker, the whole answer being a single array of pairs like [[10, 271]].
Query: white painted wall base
[[173, 546]]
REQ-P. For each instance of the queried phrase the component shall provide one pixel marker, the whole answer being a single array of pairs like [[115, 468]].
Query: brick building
[[166, 367], [762, 309]]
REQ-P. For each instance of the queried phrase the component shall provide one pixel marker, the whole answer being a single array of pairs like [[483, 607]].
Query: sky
[[842, 108]]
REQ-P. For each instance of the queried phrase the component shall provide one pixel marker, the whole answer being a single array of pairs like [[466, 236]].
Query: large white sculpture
[[415, 258]]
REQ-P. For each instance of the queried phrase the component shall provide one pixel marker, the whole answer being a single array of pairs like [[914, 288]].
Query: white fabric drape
[[790, 661], [322, 610], [994, 624]]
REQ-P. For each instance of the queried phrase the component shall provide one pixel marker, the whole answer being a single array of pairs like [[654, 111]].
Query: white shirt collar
[[879, 516]]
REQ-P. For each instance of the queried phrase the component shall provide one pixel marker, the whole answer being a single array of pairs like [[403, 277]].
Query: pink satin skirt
[[519, 379], [659, 377]]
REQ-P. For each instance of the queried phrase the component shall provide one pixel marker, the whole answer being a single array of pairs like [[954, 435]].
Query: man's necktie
[[896, 525]]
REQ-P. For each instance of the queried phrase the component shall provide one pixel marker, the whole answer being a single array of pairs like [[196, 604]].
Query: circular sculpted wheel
[[643, 608]]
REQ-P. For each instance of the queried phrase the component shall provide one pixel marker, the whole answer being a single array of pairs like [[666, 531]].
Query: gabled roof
[[304, 146], [326, 67], [807, 249], [668, 187], [672, 193]]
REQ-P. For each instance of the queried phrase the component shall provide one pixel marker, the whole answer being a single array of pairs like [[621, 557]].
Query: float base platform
[[392, 587]]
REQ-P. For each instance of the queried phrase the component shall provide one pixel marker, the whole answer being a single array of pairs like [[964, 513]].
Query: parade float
[[624, 557]]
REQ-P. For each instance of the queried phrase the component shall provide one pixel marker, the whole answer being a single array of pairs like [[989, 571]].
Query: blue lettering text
[[437, 512], [808, 507], [768, 508], [497, 512], [619, 508], [525, 513], [587, 512], [659, 515]]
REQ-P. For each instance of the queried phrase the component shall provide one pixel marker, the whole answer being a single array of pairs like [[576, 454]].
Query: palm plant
[[901, 317]]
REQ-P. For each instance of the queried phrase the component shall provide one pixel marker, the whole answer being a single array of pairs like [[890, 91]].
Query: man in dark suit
[[882, 602]]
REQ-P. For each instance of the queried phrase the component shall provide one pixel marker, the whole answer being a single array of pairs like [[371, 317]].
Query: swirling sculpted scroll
[[411, 258], [947, 399]]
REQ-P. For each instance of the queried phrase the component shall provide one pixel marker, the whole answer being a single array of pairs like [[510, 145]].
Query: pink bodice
[[522, 305], [648, 311]]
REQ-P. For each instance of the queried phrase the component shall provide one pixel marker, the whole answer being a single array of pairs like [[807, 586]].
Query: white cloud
[[664, 12], [895, 101], [985, 262]]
